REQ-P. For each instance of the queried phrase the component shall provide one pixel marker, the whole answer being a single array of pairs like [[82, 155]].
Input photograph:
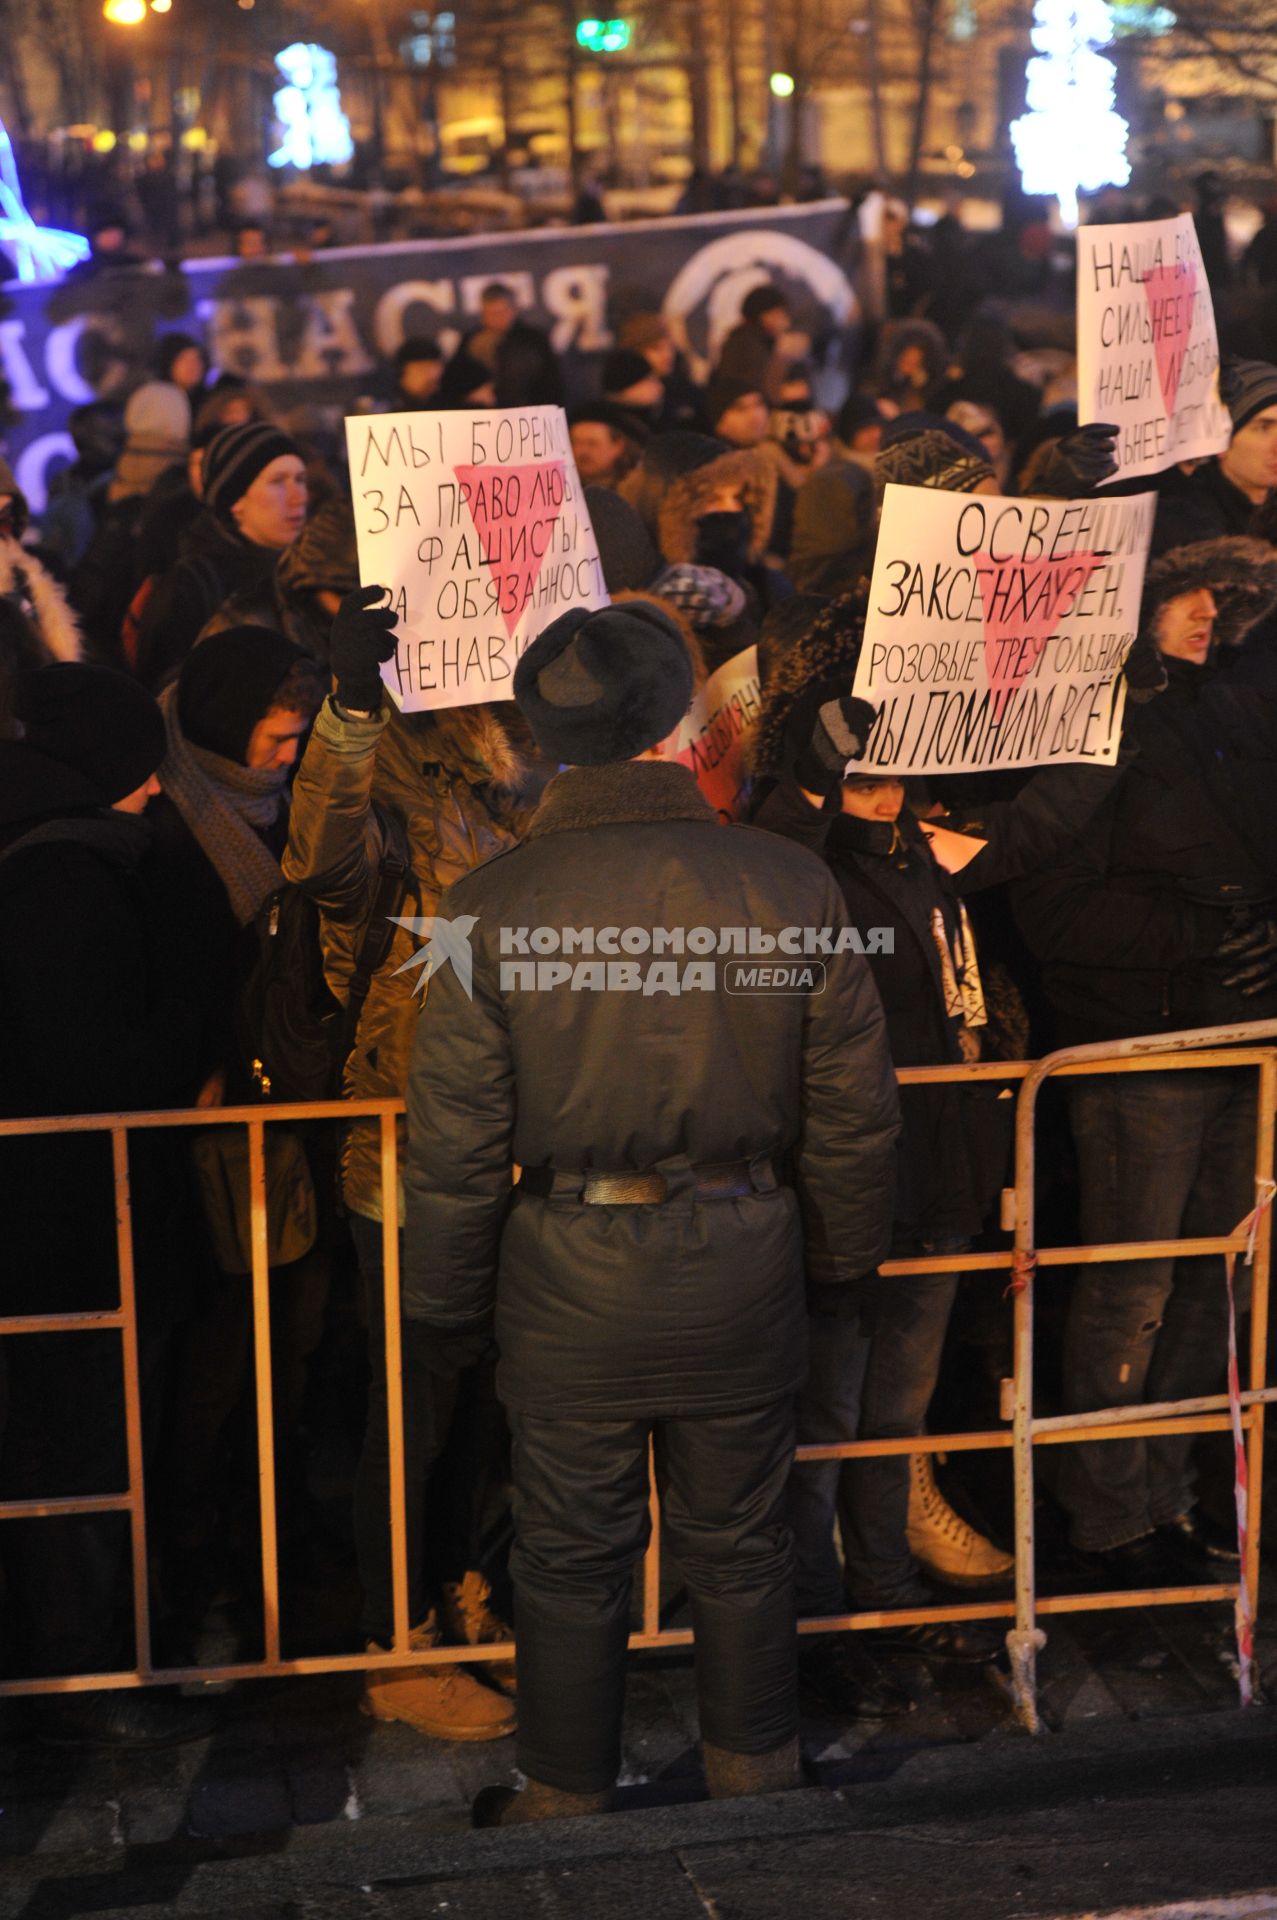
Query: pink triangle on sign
[[506, 504], [1024, 604], [1170, 292]]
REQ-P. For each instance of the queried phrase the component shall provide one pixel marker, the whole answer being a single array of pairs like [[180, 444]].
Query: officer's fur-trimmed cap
[[603, 685]]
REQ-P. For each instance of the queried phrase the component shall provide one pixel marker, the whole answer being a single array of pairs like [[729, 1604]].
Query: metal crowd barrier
[[1230, 1047]]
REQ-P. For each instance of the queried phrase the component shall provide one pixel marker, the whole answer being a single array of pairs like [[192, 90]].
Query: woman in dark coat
[[903, 878]]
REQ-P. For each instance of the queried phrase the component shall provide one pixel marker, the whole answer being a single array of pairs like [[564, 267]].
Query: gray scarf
[[226, 806]]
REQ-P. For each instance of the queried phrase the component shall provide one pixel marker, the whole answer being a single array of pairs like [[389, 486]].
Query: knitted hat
[[597, 687], [943, 456], [229, 682], [234, 459], [95, 720], [627, 551], [624, 369], [416, 347], [606, 413], [1246, 387], [722, 393]]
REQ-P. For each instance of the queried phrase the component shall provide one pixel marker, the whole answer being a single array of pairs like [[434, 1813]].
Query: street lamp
[[124, 13], [782, 85]]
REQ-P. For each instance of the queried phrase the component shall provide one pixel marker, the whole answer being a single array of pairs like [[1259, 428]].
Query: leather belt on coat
[[724, 1180]]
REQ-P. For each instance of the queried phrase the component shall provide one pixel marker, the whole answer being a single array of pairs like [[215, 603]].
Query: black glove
[[827, 728], [1249, 952], [1144, 672], [363, 636], [1080, 461]]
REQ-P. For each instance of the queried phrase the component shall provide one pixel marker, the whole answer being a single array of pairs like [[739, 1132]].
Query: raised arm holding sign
[[477, 524]]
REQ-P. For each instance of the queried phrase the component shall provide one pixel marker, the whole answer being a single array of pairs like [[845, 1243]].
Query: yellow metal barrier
[[1216, 1047]]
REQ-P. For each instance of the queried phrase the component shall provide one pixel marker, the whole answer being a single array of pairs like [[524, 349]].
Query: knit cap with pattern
[[235, 457]]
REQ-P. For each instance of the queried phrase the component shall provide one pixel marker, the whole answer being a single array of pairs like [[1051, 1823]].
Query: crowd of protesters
[[197, 758]]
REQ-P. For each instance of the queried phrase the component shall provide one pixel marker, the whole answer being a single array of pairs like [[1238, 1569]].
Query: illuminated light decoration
[[38, 253], [195, 139], [782, 85], [161, 6], [603, 36], [1070, 138], [103, 141], [124, 13], [313, 129]]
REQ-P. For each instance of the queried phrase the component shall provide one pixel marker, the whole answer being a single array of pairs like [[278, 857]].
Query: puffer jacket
[[696, 1305], [450, 777]]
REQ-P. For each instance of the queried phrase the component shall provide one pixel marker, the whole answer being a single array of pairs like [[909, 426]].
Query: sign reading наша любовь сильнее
[[1147, 351]]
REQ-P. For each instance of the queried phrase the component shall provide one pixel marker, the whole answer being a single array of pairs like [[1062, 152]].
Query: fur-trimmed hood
[[473, 744], [671, 506], [1240, 573], [828, 648], [22, 575]]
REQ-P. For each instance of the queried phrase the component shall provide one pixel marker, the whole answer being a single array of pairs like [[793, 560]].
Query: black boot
[[127, 1718], [507, 1807], [731, 1775]]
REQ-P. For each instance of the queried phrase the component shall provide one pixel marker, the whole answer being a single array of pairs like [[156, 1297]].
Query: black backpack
[[293, 1031]]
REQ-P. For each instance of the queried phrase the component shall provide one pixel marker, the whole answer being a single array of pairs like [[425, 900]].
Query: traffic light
[[603, 36]]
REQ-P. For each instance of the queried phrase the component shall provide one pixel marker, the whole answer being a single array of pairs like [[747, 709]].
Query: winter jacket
[[215, 564], [90, 1022], [1202, 505], [450, 778], [1126, 925], [952, 1149], [693, 1306]]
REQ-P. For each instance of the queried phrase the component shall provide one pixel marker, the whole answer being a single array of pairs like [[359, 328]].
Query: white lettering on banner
[[576, 298], [330, 344], [1148, 355], [477, 525], [25, 392], [243, 336], [997, 630]]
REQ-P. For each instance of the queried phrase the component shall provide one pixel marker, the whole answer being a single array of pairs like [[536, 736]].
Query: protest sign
[[1147, 353], [477, 524], [997, 630], [712, 738]]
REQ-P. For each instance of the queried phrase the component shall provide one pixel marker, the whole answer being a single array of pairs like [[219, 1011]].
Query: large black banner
[[312, 334]]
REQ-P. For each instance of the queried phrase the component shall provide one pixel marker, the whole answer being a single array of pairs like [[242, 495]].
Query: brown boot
[[445, 1702], [732, 1774], [469, 1621], [504, 1807]]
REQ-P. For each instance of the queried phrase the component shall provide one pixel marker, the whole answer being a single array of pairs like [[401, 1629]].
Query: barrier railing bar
[[62, 1322], [136, 1497], [50, 1509], [394, 1382], [260, 1242], [1146, 1055], [1261, 1280], [652, 1558]]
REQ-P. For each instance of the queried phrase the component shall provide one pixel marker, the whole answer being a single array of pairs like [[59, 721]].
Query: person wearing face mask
[[873, 1377], [711, 505], [255, 497]]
